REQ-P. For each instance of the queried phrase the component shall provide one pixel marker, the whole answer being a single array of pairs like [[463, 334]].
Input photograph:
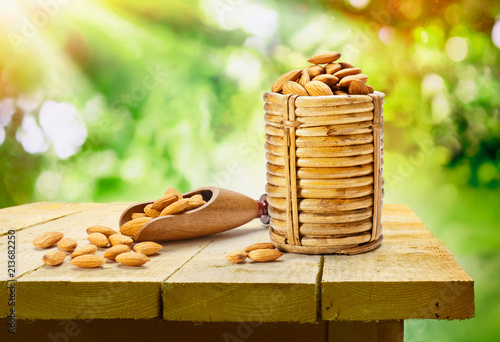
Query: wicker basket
[[324, 172]]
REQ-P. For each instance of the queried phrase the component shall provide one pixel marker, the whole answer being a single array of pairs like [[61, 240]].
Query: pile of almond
[[119, 243], [261, 252], [169, 204], [324, 77]]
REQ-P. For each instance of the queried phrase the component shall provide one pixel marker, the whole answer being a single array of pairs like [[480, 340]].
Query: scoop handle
[[263, 213]]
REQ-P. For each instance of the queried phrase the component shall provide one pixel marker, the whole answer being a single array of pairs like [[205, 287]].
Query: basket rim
[[314, 101]]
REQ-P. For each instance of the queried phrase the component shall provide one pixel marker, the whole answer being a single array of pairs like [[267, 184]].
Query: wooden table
[[190, 292]]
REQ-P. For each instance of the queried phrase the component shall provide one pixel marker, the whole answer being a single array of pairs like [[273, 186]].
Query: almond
[[358, 88], [147, 248], [294, 88], [54, 257], [315, 70], [131, 227], [346, 81], [327, 79], [67, 244], [132, 259], [47, 239], [236, 256], [304, 78], [172, 191], [259, 245], [345, 65], [264, 255], [194, 203], [116, 250], [151, 212], [339, 92], [289, 76], [88, 261], [101, 229], [175, 207], [198, 196], [332, 68], [98, 239], [317, 88], [370, 89], [164, 201], [119, 239], [327, 57], [347, 72], [87, 249], [137, 215]]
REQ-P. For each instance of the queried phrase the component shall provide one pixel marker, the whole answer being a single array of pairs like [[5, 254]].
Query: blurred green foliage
[[170, 94]]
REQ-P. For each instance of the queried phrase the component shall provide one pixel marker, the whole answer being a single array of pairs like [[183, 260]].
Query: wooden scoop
[[224, 210]]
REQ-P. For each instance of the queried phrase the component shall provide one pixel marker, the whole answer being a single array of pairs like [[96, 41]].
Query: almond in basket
[[326, 76]]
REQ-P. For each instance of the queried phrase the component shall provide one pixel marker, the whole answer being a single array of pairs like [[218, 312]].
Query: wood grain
[[209, 288], [411, 276], [28, 215]]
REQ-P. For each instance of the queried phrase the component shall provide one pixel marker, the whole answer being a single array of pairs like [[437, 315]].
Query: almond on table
[[98, 239], [88, 261], [114, 251], [48, 239], [101, 229], [67, 244], [54, 257], [87, 249], [132, 259]]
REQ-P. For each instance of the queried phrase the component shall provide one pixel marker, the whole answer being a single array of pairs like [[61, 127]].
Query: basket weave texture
[[324, 172]]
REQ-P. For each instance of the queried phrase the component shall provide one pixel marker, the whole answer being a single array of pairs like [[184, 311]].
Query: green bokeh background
[[170, 94]]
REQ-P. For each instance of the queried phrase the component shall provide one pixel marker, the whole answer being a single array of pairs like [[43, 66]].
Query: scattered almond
[[87, 249], [264, 255], [147, 248], [54, 257], [119, 239], [317, 88], [88, 261], [131, 227], [101, 229], [294, 88], [326, 57], [67, 244], [236, 256], [47, 239], [151, 212], [259, 245], [132, 259], [289, 76], [116, 250], [98, 239]]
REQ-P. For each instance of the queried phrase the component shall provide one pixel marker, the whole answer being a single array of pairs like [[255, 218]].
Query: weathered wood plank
[[355, 331], [209, 288], [31, 214], [150, 330], [411, 276], [111, 291]]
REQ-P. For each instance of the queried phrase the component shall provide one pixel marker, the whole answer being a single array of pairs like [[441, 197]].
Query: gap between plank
[[319, 279], [40, 223]]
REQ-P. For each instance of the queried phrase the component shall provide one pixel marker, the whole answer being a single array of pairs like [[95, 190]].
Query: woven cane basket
[[324, 172]]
